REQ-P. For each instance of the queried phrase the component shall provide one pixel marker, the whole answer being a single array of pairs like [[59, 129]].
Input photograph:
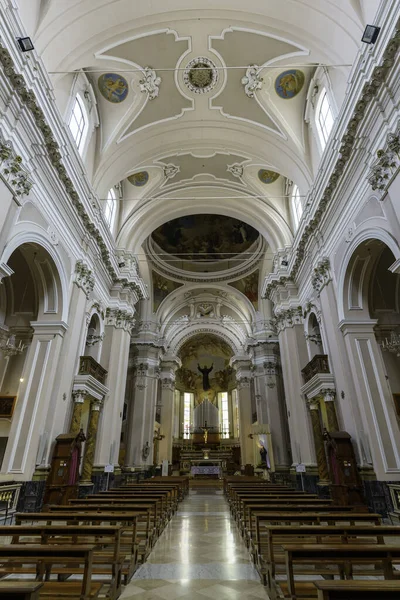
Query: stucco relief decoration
[[120, 319], [150, 83], [200, 75], [387, 163], [205, 310], [252, 81], [289, 83], [321, 276], [113, 87], [266, 176], [170, 171], [236, 170], [140, 372], [84, 277], [243, 382], [139, 179], [12, 171], [288, 318]]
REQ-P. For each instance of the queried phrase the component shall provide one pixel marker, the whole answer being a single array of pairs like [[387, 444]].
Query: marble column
[[319, 444], [90, 445], [114, 358], [79, 399], [331, 416], [374, 396], [167, 378], [294, 357], [142, 409], [243, 377]]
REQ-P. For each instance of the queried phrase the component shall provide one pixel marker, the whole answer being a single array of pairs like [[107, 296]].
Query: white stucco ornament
[[236, 170], [171, 170], [252, 81], [150, 83]]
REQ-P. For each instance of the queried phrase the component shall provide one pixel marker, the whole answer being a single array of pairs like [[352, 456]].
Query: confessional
[[62, 481], [346, 487]]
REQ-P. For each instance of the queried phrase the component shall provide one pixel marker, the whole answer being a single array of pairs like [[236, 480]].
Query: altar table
[[206, 470]]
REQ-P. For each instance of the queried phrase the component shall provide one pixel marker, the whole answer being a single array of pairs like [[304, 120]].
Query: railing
[[318, 364], [89, 366], [9, 495]]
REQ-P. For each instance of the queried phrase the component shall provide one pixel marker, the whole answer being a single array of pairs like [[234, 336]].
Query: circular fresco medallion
[[289, 83], [200, 75], [139, 179], [113, 87], [266, 176]]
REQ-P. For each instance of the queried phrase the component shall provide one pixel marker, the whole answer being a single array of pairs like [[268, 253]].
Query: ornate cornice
[[346, 150], [120, 319], [288, 318]]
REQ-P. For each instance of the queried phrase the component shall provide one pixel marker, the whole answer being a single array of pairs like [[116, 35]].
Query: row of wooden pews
[[90, 548], [305, 547]]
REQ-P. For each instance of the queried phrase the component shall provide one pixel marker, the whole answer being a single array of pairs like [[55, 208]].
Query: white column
[[243, 376], [115, 356], [294, 357], [36, 394], [142, 409], [374, 397], [167, 378]]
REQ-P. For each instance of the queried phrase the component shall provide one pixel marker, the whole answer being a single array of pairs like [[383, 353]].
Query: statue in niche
[[205, 372]]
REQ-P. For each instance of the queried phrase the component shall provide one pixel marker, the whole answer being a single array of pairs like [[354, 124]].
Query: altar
[[205, 470]]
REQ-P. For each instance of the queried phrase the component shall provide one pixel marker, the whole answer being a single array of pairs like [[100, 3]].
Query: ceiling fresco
[[113, 87], [205, 237], [162, 287], [204, 350], [249, 287]]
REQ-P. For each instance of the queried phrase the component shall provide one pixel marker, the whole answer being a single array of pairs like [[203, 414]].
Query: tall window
[[297, 206], [324, 118], [78, 123], [224, 414], [110, 207], [187, 410]]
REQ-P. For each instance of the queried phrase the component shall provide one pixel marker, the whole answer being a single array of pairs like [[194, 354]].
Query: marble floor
[[199, 555]]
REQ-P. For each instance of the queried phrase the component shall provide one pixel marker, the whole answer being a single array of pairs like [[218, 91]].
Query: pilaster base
[[41, 473], [85, 489]]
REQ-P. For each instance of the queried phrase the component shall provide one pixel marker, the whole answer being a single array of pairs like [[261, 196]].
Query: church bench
[[15, 590], [242, 510], [114, 556], [169, 501], [358, 590], [49, 561], [268, 553], [238, 495], [181, 481], [344, 558]]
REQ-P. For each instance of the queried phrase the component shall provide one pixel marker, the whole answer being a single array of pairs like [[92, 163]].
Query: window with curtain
[[297, 206], [110, 207], [187, 414], [79, 123], [324, 118], [224, 415]]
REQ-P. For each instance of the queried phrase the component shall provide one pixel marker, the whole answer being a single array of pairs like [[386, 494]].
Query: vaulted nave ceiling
[[180, 111]]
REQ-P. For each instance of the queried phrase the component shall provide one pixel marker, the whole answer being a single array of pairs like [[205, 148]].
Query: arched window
[[79, 123], [110, 208], [297, 206], [324, 118]]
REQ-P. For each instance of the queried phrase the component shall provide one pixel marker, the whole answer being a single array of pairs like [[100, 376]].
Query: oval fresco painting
[[289, 83], [139, 179], [266, 176], [113, 87]]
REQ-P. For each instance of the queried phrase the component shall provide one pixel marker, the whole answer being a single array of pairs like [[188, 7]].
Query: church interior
[[200, 299]]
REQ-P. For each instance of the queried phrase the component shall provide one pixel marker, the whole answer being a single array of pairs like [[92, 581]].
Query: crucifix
[[206, 429]]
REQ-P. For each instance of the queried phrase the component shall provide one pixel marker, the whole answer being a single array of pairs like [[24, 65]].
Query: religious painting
[[289, 83], [249, 287], [162, 287], [139, 179], [113, 87], [266, 176], [205, 367], [205, 237]]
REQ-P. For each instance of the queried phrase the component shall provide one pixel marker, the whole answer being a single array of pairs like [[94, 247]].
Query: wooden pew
[[344, 557], [14, 590], [48, 560], [268, 553], [358, 590], [114, 556]]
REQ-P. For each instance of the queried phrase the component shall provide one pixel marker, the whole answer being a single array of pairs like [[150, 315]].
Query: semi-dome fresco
[[205, 237]]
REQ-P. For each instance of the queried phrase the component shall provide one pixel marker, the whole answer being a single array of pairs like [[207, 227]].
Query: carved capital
[[84, 277], [79, 396], [120, 319]]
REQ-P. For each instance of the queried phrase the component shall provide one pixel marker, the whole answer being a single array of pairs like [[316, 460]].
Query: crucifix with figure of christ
[[205, 430]]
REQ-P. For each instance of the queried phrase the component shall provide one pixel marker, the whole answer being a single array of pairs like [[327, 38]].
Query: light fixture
[[9, 347], [370, 34], [25, 43], [393, 344], [284, 263], [21, 379]]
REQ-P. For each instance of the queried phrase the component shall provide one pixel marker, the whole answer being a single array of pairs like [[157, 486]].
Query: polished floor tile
[[200, 555]]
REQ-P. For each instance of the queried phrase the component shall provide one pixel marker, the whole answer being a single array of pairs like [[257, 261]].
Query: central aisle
[[199, 555]]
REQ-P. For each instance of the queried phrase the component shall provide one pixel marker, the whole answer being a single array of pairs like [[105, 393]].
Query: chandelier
[[393, 344], [9, 347]]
